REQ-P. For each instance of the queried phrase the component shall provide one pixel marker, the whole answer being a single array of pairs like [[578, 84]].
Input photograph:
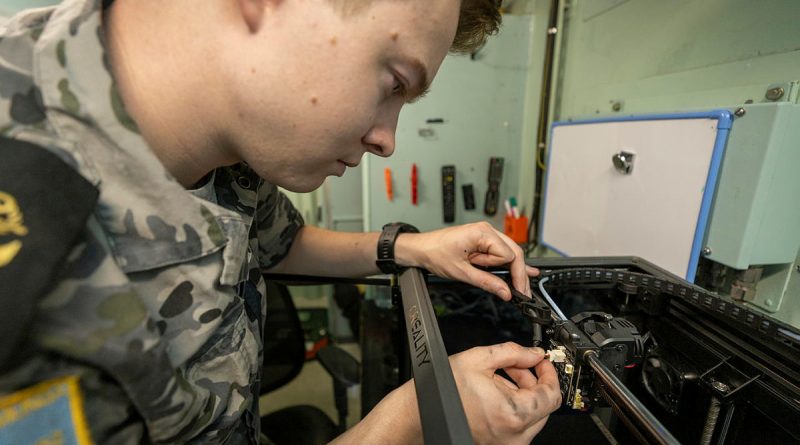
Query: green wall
[[657, 55], [9, 7]]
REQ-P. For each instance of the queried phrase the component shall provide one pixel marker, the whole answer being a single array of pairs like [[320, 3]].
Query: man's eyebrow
[[421, 87]]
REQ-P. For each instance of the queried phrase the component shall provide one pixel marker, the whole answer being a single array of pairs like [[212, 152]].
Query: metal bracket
[[770, 290], [725, 380]]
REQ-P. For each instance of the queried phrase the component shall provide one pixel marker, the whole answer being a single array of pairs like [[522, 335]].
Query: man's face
[[313, 90]]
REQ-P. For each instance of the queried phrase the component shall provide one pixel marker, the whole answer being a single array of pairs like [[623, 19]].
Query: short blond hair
[[477, 20]]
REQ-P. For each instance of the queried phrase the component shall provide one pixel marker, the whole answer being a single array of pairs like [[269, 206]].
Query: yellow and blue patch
[[50, 413]]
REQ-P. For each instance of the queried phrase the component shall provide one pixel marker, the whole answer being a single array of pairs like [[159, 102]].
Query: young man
[[186, 115]]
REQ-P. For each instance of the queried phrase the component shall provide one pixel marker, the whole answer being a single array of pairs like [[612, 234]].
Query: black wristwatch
[[386, 242]]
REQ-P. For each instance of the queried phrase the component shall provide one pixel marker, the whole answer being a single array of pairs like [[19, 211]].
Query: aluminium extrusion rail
[[647, 427], [441, 412]]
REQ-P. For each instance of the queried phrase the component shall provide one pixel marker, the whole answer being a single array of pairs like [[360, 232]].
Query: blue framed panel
[[723, 125]]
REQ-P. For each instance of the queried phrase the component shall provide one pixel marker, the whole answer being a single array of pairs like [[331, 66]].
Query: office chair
[[284, 356]]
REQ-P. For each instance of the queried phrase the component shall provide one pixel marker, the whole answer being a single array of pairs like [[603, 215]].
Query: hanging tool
[[414, 184], [387, 176]]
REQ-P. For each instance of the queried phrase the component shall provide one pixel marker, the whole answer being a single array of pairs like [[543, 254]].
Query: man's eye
[[399, 88]]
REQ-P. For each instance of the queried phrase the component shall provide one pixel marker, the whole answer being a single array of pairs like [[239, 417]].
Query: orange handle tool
[[387, 176]]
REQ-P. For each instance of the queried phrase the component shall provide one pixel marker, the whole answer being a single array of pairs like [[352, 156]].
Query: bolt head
[[769, 302], [616, 106], [706, 251], [774, 93], [719, 386], [740, 112]]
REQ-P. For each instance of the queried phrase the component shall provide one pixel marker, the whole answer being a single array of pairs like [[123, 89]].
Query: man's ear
[[253, 12]]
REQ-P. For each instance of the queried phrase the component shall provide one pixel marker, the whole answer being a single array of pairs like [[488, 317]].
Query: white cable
[[550, 300]]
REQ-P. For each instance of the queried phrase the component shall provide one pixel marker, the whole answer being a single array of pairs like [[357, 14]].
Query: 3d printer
[[676, 363]]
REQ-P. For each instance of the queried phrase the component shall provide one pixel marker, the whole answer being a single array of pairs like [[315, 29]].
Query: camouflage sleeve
[[277, 222]]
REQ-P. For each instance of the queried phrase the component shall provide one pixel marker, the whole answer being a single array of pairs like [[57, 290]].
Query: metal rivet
[[740, 112], [616, 106], [706, 251], [244, 182], [774, 93], [768, 302]]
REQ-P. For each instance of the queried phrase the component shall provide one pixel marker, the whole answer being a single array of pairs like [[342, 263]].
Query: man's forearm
[[393, 421], [323, 252]]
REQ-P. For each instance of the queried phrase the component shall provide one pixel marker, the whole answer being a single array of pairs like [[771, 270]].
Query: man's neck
[[172, 100]]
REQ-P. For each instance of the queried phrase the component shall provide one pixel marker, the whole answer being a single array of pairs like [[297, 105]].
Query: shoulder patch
[[44, 205], [48, 413]]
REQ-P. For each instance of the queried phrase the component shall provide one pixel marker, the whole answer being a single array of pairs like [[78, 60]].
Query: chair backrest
[[284, 342]]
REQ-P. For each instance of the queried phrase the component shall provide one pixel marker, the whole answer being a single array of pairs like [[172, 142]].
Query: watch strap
[[386, 242]]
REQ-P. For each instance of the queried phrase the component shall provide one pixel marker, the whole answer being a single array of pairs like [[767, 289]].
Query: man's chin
[[305, 186]]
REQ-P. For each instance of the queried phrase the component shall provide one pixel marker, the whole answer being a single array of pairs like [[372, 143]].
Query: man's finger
[[523, 377], [532, 271], [490, 242], [486, 260], [488, 282], [505, 382], [519, 274], [546, 374], [543, 398], [547, 391], [510, 355], [537, 403]]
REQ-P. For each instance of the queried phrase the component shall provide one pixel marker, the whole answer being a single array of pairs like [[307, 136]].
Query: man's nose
[[380, 139]]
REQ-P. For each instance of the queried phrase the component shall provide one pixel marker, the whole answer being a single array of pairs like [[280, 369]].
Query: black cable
[[541, 132]]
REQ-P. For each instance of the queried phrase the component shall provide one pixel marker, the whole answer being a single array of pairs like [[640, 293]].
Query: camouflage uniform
[[159, 311]]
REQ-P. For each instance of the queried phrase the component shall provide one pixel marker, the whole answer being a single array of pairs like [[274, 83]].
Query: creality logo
[[418, 337]]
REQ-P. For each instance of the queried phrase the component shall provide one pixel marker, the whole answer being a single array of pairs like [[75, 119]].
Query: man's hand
[[454, 252], [498, 410]]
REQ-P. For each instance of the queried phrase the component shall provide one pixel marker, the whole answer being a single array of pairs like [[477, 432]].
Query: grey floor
[[313, 386]]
